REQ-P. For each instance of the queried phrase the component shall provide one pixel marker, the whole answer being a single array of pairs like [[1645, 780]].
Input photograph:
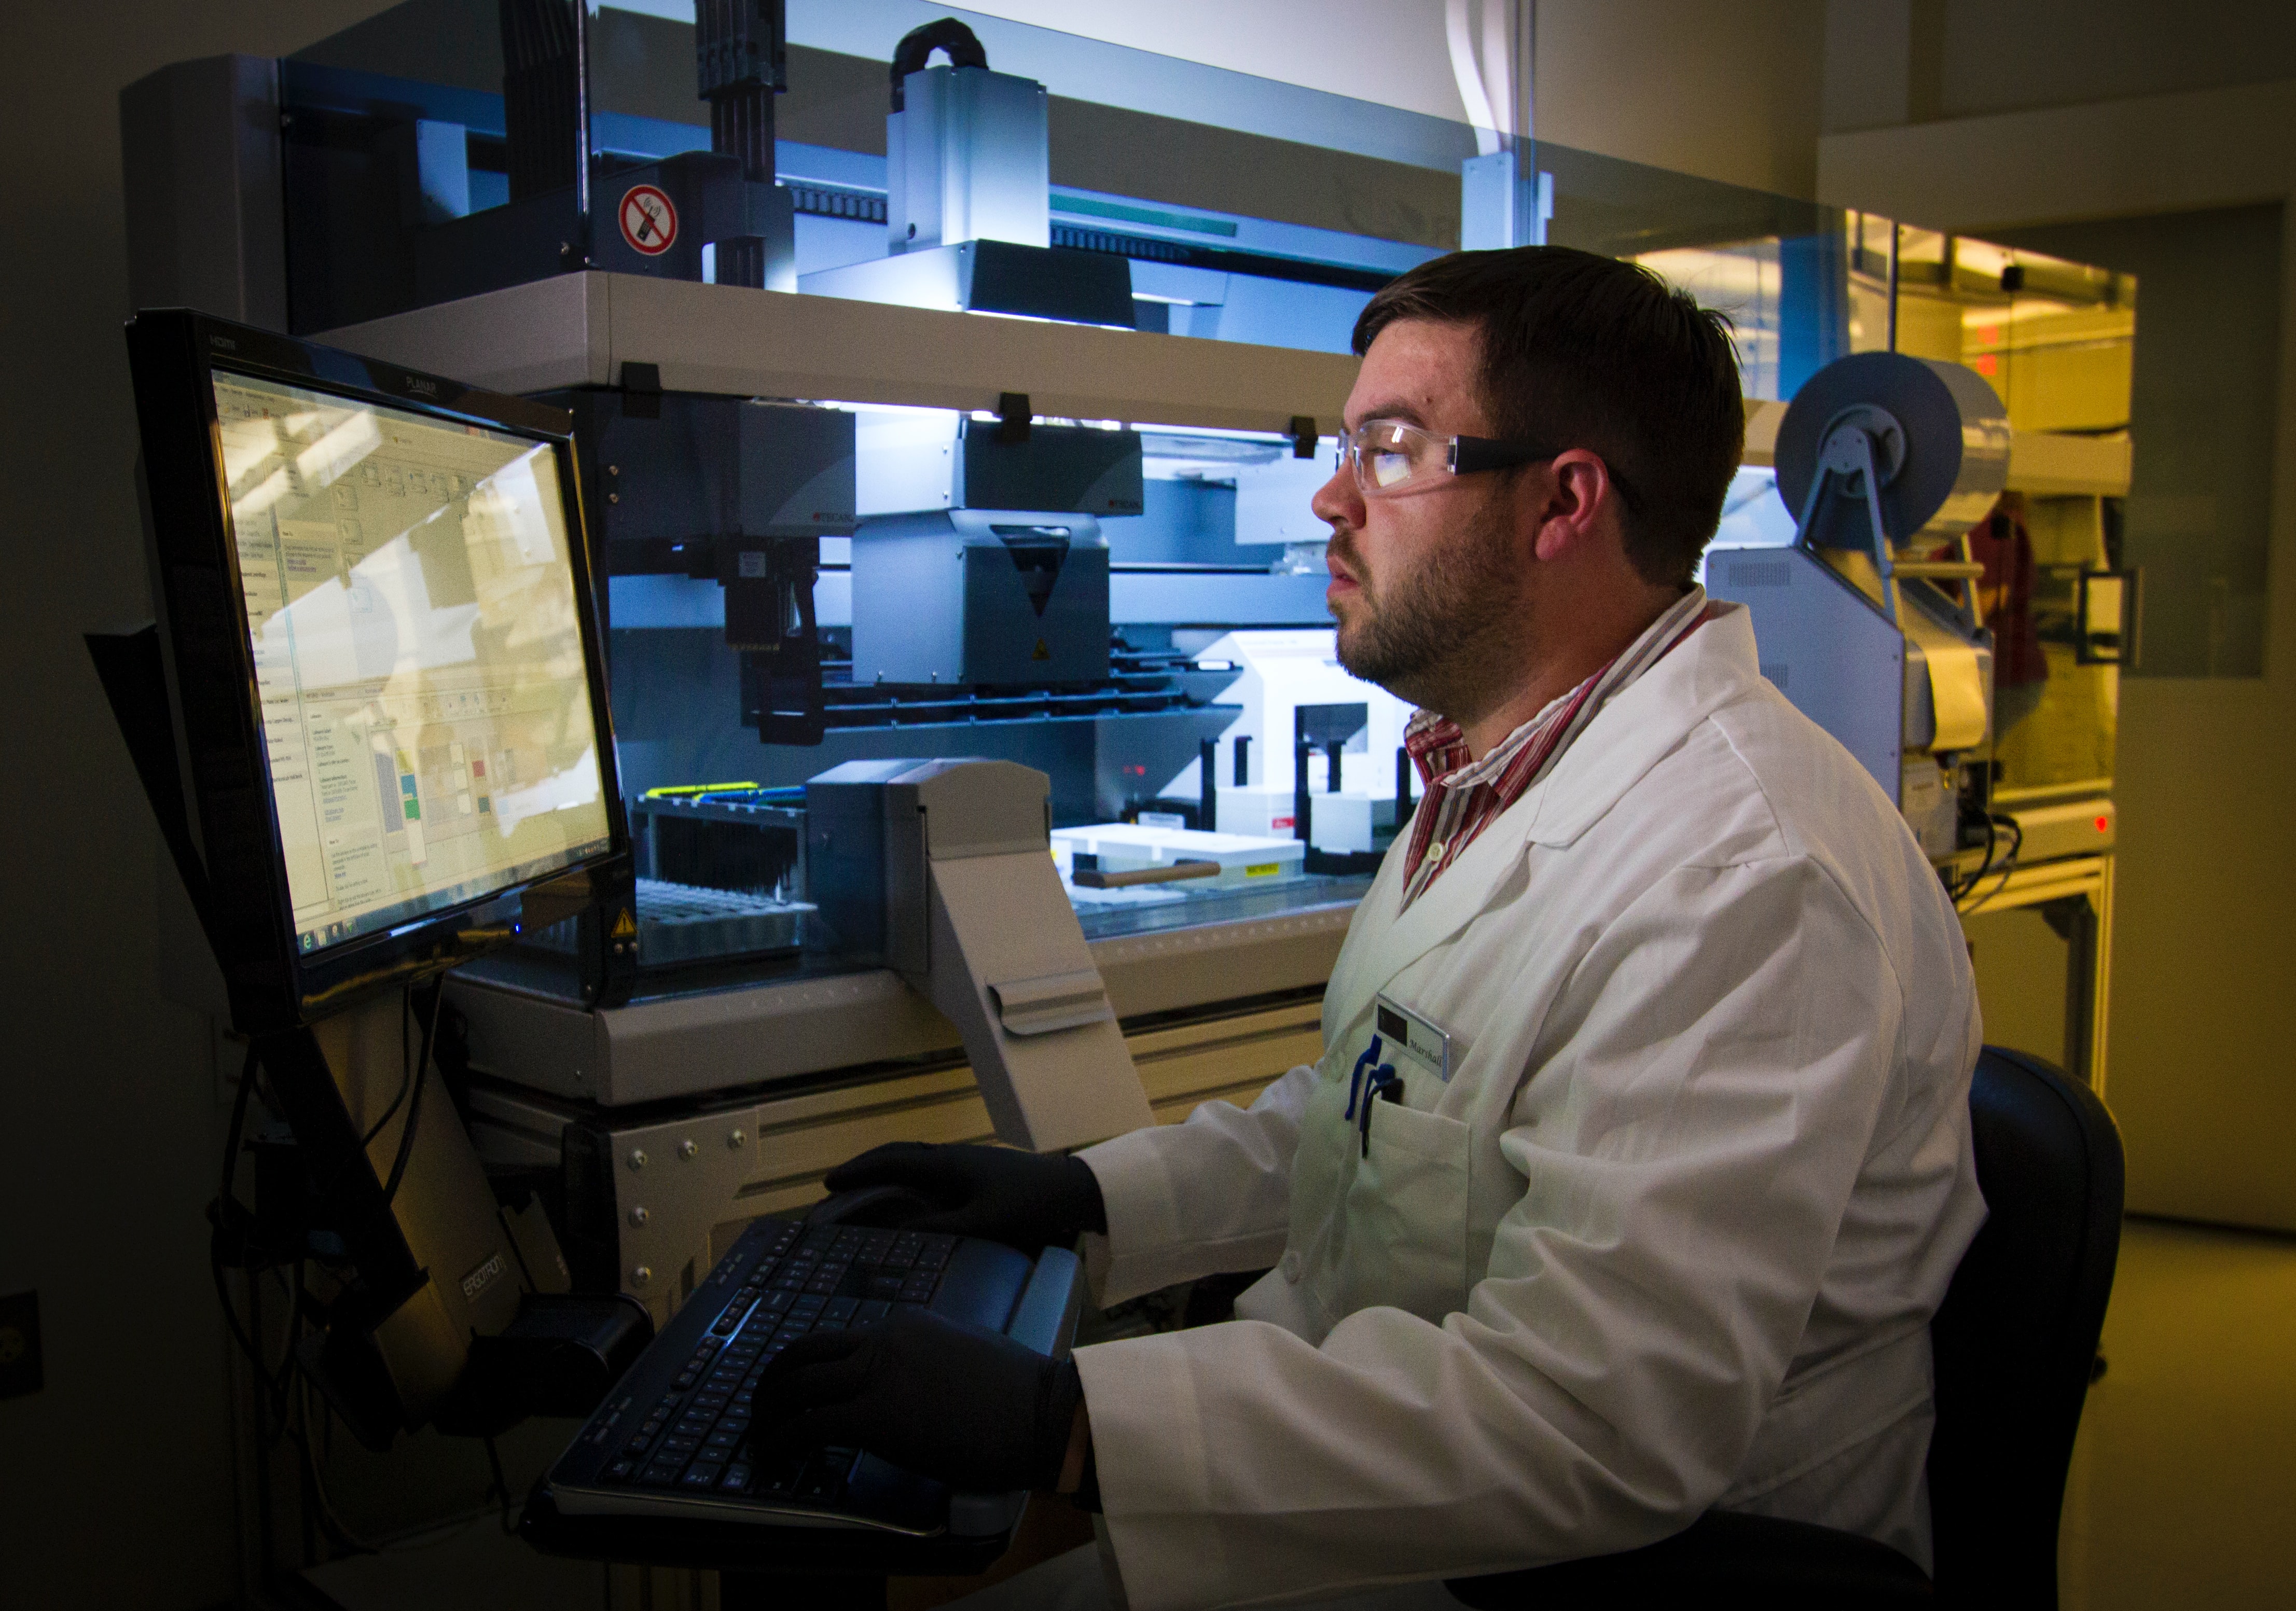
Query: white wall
[[1726, 92]]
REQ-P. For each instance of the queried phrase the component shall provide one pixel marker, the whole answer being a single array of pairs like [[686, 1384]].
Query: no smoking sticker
[[649, 220]]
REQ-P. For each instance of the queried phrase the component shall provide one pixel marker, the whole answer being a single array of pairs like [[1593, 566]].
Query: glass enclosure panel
[[2205, 396]]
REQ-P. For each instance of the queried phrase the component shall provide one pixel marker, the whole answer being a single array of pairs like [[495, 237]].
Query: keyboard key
[[779, 1477], [686, 1378], [840, 1309], [701, 1475], [883, 1287], [638, 1444], [722, 1439], [824, 1477], [876, 1309], [662, 1474], [678, 1445], [736, 1478], [621, 1470]]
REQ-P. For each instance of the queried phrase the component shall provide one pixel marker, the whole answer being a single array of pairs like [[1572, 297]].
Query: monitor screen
[[416, 634]]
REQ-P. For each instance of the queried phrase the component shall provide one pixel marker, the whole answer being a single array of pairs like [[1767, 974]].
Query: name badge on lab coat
[[1414, 1037]]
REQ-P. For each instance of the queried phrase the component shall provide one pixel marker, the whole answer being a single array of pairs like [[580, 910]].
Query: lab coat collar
[[1627, 737], [1713, 667]]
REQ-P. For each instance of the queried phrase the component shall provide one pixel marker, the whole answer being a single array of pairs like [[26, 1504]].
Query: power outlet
[[20, 1345]]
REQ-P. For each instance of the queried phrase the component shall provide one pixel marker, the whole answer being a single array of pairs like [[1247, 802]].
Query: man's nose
[[1338, 501]]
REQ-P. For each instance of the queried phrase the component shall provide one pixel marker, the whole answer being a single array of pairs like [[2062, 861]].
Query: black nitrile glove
[[1029, 1200], [972, 1409]]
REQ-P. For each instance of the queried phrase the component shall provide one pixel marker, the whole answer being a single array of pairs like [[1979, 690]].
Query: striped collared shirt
[[1463, 796]]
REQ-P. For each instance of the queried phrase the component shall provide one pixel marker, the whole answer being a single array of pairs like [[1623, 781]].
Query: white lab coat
[[1669, 1237]]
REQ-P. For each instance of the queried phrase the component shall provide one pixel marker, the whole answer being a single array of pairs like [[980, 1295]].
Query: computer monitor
[[385, 669]]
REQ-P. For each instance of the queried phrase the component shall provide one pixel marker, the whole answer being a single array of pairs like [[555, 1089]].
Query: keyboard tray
[[658, 1474]]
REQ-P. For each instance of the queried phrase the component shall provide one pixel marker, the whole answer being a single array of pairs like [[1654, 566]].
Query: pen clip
[[1355, 1081], [1384, 1082]]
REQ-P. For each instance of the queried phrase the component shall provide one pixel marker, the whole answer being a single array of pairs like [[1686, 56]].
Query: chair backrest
[[2015, 1339]]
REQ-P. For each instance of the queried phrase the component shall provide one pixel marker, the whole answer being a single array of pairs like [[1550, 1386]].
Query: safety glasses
[[1389, 456]]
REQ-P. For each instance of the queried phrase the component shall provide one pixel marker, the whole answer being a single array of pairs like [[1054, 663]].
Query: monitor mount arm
[[391, 1359]]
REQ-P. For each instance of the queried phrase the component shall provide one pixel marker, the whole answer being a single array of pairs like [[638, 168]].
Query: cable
[[2008, 866], [415, 1100], [405, 1074], [336, 1528], [1959, 889], [218, 1213], [502, 1486]]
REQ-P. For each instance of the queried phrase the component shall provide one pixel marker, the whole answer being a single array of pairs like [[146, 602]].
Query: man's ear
[[1579, 497]]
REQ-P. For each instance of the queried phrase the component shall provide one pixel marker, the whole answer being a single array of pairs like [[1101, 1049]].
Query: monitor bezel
[[175, 355]]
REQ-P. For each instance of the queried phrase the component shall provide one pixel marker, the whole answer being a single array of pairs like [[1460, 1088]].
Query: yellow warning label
[[625, 927], [1263, 869], [1042, 652]]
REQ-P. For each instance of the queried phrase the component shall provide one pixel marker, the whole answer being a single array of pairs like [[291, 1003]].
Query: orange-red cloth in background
[[2002, 544]]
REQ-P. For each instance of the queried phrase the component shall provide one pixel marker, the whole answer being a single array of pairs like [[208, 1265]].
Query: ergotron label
[[484, 1276], [1414, 1038]]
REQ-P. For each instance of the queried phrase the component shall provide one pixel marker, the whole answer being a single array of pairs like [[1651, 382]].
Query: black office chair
[[2015, 1345]]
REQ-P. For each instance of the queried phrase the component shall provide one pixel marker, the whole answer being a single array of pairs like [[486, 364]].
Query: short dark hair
[[1580, 350]]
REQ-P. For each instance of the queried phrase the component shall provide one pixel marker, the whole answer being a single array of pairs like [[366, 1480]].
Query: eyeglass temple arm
[[1470, 454]]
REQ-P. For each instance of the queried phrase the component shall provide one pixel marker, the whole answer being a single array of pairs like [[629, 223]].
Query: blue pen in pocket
[[1385, 1085], [1370, 1060]]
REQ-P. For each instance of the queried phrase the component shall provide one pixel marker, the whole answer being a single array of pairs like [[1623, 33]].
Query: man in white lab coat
[[1638, 1156]]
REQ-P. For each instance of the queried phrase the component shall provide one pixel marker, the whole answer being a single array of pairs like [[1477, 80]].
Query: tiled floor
[[2184, 1481]]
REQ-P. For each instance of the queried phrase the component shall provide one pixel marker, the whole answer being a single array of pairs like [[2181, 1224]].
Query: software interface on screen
[[417, 650]]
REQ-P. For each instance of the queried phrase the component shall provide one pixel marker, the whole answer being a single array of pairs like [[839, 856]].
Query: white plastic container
[[1243, 860]]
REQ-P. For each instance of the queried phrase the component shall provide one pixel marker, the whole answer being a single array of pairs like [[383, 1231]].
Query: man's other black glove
[[1029, 1200], [972, 1409]]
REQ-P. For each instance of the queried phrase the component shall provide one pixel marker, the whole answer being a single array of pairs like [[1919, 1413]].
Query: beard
[[1427, 634]]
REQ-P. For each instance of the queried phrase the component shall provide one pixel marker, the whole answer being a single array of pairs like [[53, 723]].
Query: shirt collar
[[1439, 746]]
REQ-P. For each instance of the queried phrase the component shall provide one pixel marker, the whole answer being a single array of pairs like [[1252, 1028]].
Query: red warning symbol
[[649, 220]]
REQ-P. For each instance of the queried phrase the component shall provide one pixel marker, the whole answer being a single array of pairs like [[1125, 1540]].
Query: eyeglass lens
[[1386, 455]]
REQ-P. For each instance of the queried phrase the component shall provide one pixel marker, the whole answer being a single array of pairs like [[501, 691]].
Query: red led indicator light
[[2104, 823]]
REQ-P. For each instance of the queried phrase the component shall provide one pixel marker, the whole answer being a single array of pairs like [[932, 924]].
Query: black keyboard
[[669, 1442]]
